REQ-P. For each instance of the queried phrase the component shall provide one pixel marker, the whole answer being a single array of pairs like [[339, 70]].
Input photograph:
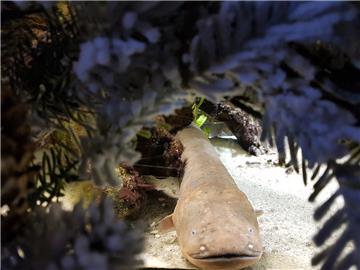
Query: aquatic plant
[[17, 173], [90, 238], [297, 63], [199, 117]]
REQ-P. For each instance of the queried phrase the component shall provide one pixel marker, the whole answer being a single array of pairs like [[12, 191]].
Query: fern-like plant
[[125, 62]]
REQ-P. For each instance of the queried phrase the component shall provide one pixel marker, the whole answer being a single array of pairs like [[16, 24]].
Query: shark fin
[[166, 224]]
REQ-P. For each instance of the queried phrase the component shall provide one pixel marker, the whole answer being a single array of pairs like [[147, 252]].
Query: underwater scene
[[215, 135]]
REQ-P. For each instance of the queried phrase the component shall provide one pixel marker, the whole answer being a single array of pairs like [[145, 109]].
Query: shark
[[215, 223]]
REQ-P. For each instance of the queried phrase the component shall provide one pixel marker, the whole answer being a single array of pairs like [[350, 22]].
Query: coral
[[161, 154], [131, 197], [180, 119]]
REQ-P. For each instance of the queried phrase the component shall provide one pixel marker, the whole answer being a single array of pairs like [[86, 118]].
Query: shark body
[[215, 223]]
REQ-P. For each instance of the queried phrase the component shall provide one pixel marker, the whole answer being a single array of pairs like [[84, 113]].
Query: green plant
[[199, 116]]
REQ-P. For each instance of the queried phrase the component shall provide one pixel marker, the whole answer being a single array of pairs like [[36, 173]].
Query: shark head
[[223, 258], [222, 245], [223, 232]]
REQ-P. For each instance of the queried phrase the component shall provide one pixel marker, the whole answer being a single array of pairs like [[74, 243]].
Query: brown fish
[[215, 223]]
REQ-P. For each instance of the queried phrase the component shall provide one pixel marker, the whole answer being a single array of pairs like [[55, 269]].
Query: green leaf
[[201, 120], [196, 108]]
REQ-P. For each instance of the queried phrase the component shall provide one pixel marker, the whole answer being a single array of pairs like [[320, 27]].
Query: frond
[[57, 168], [348, 176], [82, 239]]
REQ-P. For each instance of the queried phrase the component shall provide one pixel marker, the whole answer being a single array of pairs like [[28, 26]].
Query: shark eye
[[250, 230], [193, 232]]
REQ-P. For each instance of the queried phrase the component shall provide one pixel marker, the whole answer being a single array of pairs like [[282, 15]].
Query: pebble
[[289, 170], [154, 232], [172, 240], [252, 163], [157, 235]]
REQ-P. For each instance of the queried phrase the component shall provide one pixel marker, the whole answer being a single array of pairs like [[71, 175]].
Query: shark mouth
[[228, 256]]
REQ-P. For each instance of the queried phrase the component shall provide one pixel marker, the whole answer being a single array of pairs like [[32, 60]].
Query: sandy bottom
[[286, 225]]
